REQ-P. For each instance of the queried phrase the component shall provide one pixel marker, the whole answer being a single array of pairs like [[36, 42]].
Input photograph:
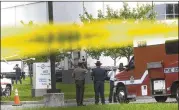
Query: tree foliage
[[142, 12], [94, 53], [113, 53]]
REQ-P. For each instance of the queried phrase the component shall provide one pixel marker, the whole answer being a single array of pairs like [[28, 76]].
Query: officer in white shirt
[[111, 75]]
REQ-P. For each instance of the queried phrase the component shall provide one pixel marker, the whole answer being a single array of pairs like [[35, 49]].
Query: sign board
[[41, 76]]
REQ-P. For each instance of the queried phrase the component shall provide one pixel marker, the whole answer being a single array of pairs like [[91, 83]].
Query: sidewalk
[[41, 102], [66, 101]]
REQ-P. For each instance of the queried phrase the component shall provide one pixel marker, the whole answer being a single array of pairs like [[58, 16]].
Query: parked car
[[6, 86]]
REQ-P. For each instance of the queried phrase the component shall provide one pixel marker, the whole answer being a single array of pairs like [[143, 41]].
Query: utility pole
[[52, 55]]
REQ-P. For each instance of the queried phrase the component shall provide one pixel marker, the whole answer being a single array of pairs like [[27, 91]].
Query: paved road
[[152, 100], [10, 107]]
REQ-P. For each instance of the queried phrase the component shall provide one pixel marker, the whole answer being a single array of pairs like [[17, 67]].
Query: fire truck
[[152, 71]]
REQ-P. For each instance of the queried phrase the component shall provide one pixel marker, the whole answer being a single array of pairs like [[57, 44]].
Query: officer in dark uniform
[[79, 76], [99, 76], [18, 73]]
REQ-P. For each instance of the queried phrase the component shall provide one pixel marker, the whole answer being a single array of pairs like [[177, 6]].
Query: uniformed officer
[[99, 76], [79, 76], [18, 73]]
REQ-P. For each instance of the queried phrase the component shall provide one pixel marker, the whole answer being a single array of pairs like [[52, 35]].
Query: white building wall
[[13, 13], [36, 12], [64, 12], [8, 17], [67, 11]]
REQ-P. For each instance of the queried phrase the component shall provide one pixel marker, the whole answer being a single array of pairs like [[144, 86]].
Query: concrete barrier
[[54, 99]]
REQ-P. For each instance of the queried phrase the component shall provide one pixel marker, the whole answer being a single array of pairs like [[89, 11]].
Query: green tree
[[94, 53], [113, 53], [142, 12]]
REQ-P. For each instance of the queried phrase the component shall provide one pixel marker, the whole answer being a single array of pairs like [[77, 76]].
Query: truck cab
[[152, 71]]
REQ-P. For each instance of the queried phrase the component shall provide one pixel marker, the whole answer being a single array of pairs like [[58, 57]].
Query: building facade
[[13, 13]]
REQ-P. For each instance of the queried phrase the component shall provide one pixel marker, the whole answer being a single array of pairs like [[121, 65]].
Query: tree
[[126, 51], [143, 12], [94, 53], [113, 53]]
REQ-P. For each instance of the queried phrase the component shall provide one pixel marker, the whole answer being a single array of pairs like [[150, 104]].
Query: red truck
[[152, 71]]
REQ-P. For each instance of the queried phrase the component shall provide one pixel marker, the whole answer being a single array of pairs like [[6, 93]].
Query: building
[[13, 12], [167, 11]]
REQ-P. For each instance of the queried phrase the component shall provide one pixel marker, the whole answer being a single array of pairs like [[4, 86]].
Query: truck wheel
[[161, 98], [8, 91], [121, 95], [177, 93]]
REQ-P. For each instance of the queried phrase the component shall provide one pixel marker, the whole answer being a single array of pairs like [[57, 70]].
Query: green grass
[[70, 91], [24, 91], [153, 106]]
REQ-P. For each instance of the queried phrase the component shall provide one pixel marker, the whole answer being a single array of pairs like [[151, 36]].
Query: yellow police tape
[[29, 41]]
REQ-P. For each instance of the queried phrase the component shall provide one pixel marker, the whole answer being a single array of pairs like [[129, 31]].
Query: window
[[171, 46], [131, 63], [176, 8], [171, 11]]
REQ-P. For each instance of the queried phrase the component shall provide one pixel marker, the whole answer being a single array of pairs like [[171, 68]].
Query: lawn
[[24, 91], [69, 90], [153, 106]]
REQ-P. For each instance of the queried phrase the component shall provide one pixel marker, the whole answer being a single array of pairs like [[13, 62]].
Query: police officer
[[79, 76], [18, 73], [99, 76]]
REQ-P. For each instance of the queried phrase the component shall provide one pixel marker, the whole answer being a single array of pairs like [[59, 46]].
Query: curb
[[74, 100], [41, 102], [22, 102], [66, 101]]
